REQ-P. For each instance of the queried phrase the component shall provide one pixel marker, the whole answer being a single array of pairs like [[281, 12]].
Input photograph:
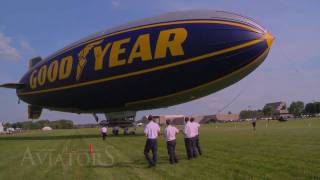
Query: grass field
[[287, 150]]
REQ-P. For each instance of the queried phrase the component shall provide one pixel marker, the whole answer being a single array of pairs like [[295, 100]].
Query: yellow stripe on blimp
[[163, 24], [198, 58]]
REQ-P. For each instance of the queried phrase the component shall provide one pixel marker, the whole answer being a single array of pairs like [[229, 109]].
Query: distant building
[[218, 118], [161, 119], [227, 117], [280, 109], [178, 120], [205, 119]]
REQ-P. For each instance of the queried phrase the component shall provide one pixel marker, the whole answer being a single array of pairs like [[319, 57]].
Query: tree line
[[29, 125], [296, 108]]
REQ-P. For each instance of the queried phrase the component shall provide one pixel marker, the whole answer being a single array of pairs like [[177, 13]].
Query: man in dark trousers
[[152, 130], [104, 131], [195, 128], [170, 134], [254, 121], [188, 137]]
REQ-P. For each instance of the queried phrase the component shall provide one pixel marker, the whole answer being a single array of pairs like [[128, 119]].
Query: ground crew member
[[126, 131], [104, 131], [115, 130], [170, 134], [254, 121], [195, 127], [188, 137], [152, 130]]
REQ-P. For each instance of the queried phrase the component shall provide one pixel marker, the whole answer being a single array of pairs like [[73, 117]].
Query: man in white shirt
[[104, 131], [188, 137], [170, 134], [152, 130], [195, 128]]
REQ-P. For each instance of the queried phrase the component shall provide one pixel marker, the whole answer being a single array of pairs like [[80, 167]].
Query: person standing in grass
[[254, 121], [188, 137], [195, 128], [104, 131], [170, 134], [152, 131]]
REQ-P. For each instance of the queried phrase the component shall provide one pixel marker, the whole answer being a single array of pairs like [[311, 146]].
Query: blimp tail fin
[[12, 85], [34, 61], [34, 112]]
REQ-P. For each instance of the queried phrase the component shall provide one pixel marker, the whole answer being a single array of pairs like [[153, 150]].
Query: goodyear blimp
[[152, 63]]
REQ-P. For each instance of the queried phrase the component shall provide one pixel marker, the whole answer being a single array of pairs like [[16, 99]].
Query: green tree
[[27, 125], [313, 108], [296, 108], [244, 114], [317, 107], [7, 125], [268, 111], [42, 123], [61, 124], [249, 114]]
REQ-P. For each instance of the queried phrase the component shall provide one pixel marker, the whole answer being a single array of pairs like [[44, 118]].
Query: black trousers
[[104, 136], [171, 147], [193, 147], [197, 144], [188, 144], [254, 124], [151, 144]]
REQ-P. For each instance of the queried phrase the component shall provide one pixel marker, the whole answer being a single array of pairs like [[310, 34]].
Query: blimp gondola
[[152, 63]]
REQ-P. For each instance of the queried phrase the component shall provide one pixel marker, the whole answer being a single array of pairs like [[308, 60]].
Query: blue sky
[[291, 71]]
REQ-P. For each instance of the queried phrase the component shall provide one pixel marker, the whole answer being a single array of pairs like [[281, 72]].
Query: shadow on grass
[[118, 165], [129, 164], [79, 136]]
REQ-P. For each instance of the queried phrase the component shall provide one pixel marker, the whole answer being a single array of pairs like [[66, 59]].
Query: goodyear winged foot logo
[[82, 58]]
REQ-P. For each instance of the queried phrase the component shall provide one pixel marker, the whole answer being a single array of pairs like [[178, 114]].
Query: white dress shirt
[[170, 132], [195, 128], [152, 130], [104, 130], [188, 133]]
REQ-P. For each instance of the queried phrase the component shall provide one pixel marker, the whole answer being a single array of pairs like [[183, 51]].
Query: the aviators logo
[[169, 40]]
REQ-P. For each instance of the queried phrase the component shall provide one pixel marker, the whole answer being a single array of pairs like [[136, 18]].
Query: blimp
[[152, 63]]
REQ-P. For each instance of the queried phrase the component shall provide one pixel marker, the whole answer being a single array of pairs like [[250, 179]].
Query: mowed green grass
[[281, 150]]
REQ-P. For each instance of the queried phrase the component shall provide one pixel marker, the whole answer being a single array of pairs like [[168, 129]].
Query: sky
[[290, 72]]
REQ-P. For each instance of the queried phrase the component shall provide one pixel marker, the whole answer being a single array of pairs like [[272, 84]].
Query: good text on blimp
[[169, 40]]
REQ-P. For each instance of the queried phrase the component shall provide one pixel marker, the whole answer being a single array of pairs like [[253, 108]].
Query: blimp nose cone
[[269, 38]]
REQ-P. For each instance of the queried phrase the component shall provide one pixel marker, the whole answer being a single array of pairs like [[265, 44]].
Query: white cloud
[[26, 46], [6, 49]]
